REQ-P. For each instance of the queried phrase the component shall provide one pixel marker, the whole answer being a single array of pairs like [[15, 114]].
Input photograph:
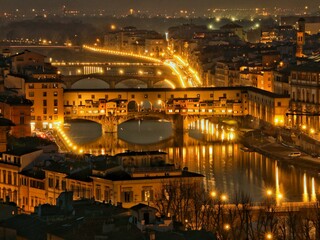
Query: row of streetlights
[[223, 197]]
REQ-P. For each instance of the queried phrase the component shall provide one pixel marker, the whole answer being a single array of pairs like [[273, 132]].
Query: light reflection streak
[[305, 189], [313, 191], [209, 159]]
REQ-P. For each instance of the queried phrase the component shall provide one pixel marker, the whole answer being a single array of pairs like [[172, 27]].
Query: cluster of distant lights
[[24, 13]]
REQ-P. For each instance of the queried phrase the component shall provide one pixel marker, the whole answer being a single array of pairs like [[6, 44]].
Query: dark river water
[[207, 149]]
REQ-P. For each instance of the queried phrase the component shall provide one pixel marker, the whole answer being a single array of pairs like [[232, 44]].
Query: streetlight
[[224, 197], [269, 236], [213, 194], [269, 192], [226, 227]]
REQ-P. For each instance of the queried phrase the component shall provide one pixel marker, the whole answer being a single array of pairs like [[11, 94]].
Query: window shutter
[[131, 196], [151, 195], [142, 195], [122, 197]]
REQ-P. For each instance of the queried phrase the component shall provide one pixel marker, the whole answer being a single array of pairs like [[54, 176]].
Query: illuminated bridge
[[110, 107], [133, 80]]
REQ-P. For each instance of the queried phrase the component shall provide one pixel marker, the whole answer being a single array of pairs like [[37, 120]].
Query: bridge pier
[[180, 123], [110, 124]]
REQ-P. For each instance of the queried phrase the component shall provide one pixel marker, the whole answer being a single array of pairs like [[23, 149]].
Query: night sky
[[168, 5]]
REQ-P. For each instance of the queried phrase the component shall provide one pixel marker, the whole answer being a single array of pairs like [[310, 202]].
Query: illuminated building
[[300, 38], [305, 98], [5, 125], [47, 97], [17, 109], [26, 59], [11, 163], [137, 41]]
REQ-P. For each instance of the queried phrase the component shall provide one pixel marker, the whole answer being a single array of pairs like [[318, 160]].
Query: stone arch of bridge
[[131, 83], [90, 83], [163, 84]]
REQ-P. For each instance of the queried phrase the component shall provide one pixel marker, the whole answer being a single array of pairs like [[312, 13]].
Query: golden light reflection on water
[[305, 189], [226, 168]]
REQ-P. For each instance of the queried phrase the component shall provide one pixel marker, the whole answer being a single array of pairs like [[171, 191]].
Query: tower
[[300, 37]]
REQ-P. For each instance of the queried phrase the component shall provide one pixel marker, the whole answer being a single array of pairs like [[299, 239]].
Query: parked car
[[295, 154]]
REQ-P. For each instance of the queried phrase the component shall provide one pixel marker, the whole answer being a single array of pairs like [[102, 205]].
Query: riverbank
[[272, 148]]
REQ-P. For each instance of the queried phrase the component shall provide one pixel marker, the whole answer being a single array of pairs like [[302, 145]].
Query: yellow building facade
[[47, 97]]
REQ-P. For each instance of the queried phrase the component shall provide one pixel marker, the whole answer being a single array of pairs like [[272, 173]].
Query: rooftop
[[142, 153], [15, 100], [34, 173], [123, 175], [6, 122], [308, 67], [21, 151]]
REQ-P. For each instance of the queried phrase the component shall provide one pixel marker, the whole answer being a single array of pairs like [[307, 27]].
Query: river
[[207, 149]]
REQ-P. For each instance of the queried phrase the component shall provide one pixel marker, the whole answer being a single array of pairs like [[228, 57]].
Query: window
[[44, 103], [186, 95], [21, 119], [32, 110], [31, 85], [146, 96], [172, 96], [159, 95], [106, 194], [44, 85], [55, 110], [9, 178], [55, 93], [55, 85], [147, 195], [98, 192], [92, 96], [132, 96], [127, 195], [44, 110], [44, 94], [50, 182], [64, 185], [106, 96], [119, 96], [4, 176], [211, 95], [31, 94], [57, 184], [224, 95], [79, 96], [279, 104], [55, 102]]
